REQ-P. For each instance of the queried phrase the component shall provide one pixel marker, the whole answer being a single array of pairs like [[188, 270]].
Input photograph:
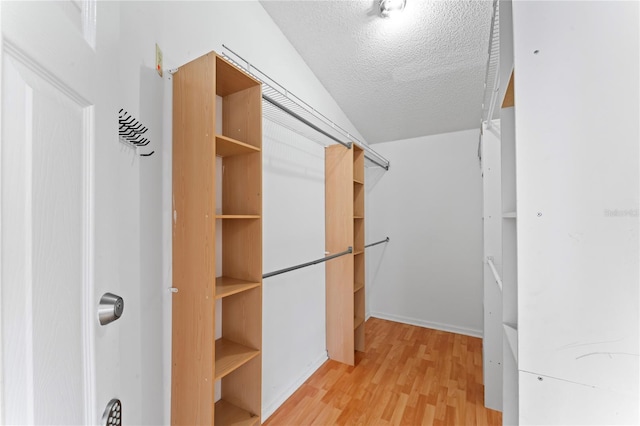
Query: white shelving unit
[[492, 228], [570, 272]]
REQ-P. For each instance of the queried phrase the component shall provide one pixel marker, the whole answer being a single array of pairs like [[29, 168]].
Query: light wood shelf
[[228, 147], [358, 217], [357, 322], [237, 216], [359, 252], [227, 286], [358, 181], [509, 95], [511, 334], [358, 286], [228, 414], [230, 356]]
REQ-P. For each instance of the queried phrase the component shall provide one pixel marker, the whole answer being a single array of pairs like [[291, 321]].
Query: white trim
[[88, 282], [2, 421], [34, 66], [28, 253], [428, 324], [89, 22], [280, 399]]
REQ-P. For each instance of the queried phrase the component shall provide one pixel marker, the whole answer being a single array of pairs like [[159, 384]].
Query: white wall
[[430, 204], [293, 193]]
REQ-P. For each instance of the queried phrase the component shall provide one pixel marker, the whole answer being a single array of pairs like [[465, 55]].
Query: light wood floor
[[407, 376]]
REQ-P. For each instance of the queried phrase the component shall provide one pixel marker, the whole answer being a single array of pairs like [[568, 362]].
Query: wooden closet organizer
[[344, 227], [209, 224]]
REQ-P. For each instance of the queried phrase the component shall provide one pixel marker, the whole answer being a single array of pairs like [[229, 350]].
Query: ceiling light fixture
[[389, 8]]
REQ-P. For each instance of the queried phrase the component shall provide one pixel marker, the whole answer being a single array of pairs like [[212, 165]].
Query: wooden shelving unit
[[199, 357], [344, 202]]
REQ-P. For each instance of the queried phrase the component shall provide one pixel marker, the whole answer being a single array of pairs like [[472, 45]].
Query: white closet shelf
[[511, 333], [509, 215]]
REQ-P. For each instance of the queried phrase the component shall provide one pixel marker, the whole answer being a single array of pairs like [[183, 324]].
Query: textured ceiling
[[421, 73]]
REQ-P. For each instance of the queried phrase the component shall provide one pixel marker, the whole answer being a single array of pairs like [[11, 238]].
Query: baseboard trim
[[428, 324], [273, 406]]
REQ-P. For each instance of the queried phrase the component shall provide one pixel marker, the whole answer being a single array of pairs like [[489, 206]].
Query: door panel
[[45, 260], [58, 106]]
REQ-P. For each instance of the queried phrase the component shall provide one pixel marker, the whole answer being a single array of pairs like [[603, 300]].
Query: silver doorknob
[[110, 308]]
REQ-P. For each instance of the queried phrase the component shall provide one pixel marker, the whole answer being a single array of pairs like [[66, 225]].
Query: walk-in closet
[[380, 212]]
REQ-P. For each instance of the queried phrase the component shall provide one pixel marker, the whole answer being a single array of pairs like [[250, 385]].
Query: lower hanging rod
[[304, 265], [386, 240]]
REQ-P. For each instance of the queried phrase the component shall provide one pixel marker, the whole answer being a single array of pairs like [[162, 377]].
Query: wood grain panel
[[509, 96], [242, 184], [358, 234], [193, 242], [242, 389], [242, 318], [242, 249], [242, 116], [229, 414], [358, 164], [358, 200], [339, 236], [230, 79]]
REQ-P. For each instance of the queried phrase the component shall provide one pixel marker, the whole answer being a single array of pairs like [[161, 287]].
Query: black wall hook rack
[[131, 131]]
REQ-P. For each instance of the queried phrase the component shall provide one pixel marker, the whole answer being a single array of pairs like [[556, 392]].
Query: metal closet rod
[[319, 130], [365, 147], [302, 119], [304, 265], [386, 240]]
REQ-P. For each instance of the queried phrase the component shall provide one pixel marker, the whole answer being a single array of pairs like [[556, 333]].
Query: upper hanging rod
[[270, 85], [313, 262], [386, 240], [304, 120]]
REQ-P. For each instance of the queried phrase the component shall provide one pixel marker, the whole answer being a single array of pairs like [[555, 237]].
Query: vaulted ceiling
[[419, 73]]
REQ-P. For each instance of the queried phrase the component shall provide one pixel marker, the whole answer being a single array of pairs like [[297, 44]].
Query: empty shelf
[[357, 286], [358, 217], [230, 356], [357, 322], [358, 181], [512, 338], [227, 286], [226, 147], [228, 414], [509, 215], [357, 252]]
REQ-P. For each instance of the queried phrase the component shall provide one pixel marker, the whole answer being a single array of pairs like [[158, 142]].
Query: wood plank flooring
[[407, 376]]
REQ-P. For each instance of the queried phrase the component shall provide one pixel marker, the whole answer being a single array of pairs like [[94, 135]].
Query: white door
[[59, 366]]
